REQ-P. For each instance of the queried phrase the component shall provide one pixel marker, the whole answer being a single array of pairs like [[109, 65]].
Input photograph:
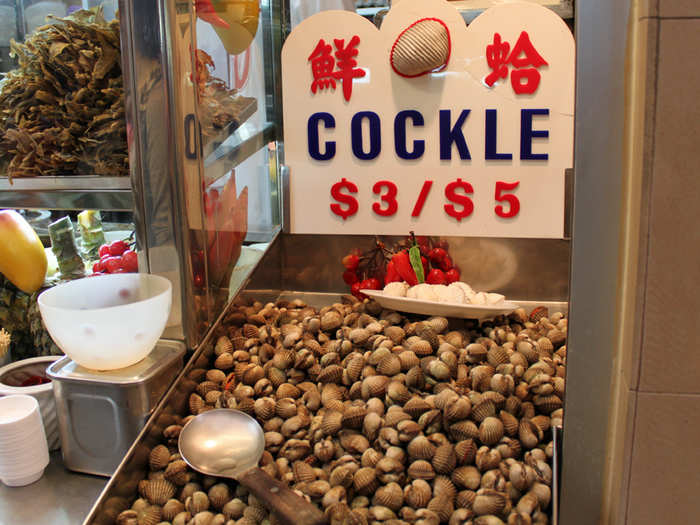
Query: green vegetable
[[64, 248], [416, 263]]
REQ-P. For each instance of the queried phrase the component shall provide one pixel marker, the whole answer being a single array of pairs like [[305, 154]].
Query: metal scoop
[[229, 443]]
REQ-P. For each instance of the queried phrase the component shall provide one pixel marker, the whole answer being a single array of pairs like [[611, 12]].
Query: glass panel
[[62, 95]]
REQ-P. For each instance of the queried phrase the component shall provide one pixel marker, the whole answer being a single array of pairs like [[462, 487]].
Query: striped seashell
[[408, 360], [354, 367], [528, 504], [521, 476], [421, 448], [528, 410], [216, 376], [489, 501], [510, 422], [374, 386], [441, 506], [438, 324], [445, 459], [246, 405], [504, 384], [445, 396], [223, 345], [332, 422], [465, 451], [219, 495], [354, 416], [250, 331], [457, 409], [394, 416], [529, 350], [359, 336], [417, 494], [439, 370], [331, 358], [519, 359], [390, 496], [461, 515], [519, 518], [497, 399], [336, 404], [379, 354], [420, 469], [331, 392], [467, 477], [408, 430], [371, 425], [172, 508], [353, 442], [189, 489], [286, 408], [239, 342], [487, 459], [283, 359], [475, 353], [127, 517], [159, 491], [303, 472], [389, 365], [443, 487], [397, 393], [497, 356], [341, 476], [330, 321], [150, 515], [317, 489], [545, 346], [415, 378], [371, 457], [542, 422], [465, 498], [212, 397], [177, 473], [395, 333], [454, 338], [464, 430], [365, 481], [513, 406], [481, 377], [196, 403], [547, 404], [491, 430], [234, 509], [416, 406], [313, 346], [287, 390], [542, 492], [159, 457], [421, 348], [559, 384], [276, 376], [224, 362], [486, 408]]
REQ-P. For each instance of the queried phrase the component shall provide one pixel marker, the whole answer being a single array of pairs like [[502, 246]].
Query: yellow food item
[[242, 17], [22, 258]]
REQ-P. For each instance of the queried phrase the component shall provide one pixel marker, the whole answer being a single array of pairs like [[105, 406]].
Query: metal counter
[[60, 497]]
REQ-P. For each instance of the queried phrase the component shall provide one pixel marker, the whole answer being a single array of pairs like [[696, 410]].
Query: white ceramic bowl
[[11, 377], [108, 321]]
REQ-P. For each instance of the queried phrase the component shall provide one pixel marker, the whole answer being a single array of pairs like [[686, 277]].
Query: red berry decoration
[[452, 275], [103, 251], [355, 290], [437, 255], [351, 262], [112, 264], [117, 248], [350, 277], [445, 264], [130, 261], [97, 267], [372, 284], [436, 276]]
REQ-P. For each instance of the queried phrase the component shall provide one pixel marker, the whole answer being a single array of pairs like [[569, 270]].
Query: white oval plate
[[418, 306]]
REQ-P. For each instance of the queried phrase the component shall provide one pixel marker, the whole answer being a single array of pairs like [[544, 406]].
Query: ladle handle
[[290, 508]]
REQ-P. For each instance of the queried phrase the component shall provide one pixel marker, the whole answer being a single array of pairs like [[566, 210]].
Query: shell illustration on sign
[[421, 48]]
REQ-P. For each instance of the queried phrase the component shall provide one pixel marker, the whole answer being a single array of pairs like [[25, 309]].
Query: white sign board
[[475, 147]]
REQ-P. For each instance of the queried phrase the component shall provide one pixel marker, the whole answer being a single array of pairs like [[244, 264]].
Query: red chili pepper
[[391, 274], [402, 264]]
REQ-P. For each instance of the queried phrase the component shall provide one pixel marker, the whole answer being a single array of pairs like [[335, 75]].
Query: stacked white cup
[[24, 452]]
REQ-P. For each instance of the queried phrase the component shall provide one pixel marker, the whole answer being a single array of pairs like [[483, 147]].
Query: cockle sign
[[474, 145]]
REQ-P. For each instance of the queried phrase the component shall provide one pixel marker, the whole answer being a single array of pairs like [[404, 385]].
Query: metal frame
[[601, 33]]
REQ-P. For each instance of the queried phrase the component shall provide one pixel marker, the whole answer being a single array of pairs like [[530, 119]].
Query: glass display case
[[166, 109]]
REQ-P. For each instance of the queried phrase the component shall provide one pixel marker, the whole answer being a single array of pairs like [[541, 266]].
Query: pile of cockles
[[375, 416], [455, 293]]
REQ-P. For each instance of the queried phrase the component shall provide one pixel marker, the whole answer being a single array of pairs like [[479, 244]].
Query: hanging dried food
[[62, 109]]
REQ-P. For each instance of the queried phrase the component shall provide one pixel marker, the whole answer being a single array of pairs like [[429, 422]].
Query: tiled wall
[[662, 480]]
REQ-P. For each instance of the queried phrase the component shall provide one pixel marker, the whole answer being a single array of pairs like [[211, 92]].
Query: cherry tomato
[[350, 277], [112, 264], [355, 290], [446, 264], [436, 276], [436, 255], [117, 248], [372, 284], [452, 275], [424, 261], [351, 261], [97, 267], [103, 251], [130, 261]]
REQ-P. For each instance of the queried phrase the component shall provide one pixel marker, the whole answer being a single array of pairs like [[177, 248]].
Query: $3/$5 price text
[[458, 203]]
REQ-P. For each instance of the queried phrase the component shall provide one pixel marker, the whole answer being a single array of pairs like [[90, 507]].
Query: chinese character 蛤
[[523, 79]]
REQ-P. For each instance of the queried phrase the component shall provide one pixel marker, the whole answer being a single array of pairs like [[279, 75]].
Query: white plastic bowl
[[109, 321]]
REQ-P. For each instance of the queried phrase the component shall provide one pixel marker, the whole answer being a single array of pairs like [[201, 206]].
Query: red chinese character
[[322, 65], [531, 58], [346, 64], [524, 80], [497, 59]]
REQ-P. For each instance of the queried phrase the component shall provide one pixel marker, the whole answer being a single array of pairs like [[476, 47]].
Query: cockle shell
[[467, 477], [331, 320], [198, 502], [420, 448], [421, 469], [172, 508], [234, 509], [417, 494], [510, 422], [416, 406], [177, 473], [491, 430], [303, 472], [443, 487], [159, 491], [353, 417], [441, 506], [457, 409], [331, 374], [438, 324], [408, 360], [365, 481], [465, 451], [219, 494], [397, 392], [482, 410], [223, 345], [159, 457], [421, 348], [353, 442], [390, 495], [389, 365], [445, 459], [488, 502], [529, 433], [395, 333], [497, 356], [464, 430]]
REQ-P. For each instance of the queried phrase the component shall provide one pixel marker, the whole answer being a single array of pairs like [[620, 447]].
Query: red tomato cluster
[[444, 271], [116, 257]]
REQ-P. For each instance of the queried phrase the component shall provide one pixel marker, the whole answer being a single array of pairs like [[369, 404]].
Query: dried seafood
[[62, 109], [375, 417]]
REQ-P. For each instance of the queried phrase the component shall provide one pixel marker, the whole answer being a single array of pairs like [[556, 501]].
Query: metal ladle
[[229, 443]]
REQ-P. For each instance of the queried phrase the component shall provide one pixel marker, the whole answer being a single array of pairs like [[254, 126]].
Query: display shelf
[[67, 193], [247, 139], [470, 9], [212, 143]]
